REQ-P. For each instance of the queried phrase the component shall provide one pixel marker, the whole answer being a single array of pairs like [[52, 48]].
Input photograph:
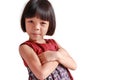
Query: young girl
[[45, 59]]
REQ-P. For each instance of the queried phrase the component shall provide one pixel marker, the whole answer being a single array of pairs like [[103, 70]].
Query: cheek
[[45, 31], [28, 29], [26, 26]]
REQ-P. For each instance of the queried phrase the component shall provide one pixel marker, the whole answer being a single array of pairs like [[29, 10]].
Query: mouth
[[36, 34]]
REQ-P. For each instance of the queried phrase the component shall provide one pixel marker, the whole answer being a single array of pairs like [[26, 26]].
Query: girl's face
[[36, 28]]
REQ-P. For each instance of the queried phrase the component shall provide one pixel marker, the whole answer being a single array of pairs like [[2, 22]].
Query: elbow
[[74, 67], [41, 75]]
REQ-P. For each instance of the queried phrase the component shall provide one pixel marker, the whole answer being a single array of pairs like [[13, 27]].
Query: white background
[[88, 29]]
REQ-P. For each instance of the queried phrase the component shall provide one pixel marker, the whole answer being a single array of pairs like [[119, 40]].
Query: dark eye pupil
[[31, 21], [42, 23]]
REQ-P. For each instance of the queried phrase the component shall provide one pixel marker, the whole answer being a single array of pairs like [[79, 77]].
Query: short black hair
[[42, 9]]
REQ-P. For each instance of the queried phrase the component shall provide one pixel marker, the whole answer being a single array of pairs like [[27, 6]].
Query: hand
[[48, 56]]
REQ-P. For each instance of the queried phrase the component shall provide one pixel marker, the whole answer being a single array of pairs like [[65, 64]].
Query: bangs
[[43, 14], [38, 10]]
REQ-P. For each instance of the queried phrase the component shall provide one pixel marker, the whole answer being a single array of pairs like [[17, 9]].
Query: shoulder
[[28, 45], [26, 52], [24, 49], [24, 45]]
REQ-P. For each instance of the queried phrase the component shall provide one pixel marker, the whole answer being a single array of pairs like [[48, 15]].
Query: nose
[[37, 27]]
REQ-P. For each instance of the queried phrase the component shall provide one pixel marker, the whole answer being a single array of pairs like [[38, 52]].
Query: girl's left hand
[[48, 56]]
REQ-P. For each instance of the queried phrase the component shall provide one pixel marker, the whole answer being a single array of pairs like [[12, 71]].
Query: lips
[[35, 34]]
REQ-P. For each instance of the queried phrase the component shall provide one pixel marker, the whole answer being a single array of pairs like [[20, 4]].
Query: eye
[[30, 21], [43, 23]]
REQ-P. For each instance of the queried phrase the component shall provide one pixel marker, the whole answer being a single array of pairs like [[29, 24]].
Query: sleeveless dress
[[60, 73]]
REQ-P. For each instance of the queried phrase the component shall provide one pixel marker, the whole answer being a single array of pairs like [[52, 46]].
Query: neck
[[38, 41]]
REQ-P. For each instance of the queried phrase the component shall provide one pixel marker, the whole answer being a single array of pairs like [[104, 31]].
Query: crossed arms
[[44, 64]]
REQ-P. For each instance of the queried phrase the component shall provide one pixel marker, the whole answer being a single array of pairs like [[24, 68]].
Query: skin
[[44, 64]]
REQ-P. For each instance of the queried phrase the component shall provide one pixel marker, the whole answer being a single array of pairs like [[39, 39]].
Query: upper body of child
[[45, 59]]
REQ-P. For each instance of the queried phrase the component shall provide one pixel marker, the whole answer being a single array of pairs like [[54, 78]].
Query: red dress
[[60, 73]]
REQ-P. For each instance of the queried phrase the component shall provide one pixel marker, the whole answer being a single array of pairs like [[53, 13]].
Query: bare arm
[[65, 59], [40, 71], [61, 56]]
